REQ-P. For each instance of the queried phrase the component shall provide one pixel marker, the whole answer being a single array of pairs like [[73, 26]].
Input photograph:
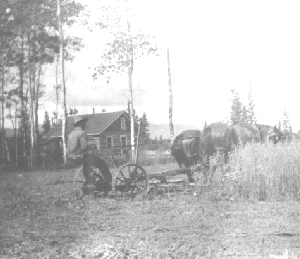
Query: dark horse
[[246, 132], [269, 134], [218, 137], [190, 146], [185, 149]]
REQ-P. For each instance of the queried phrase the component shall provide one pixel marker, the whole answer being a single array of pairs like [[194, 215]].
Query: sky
[[215, 46]]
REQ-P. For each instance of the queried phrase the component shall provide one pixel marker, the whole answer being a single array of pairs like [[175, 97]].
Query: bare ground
[[40, 218]]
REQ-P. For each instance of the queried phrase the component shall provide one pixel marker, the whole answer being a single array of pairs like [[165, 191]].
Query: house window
[[123, 141], [109, 141], [123, 124]]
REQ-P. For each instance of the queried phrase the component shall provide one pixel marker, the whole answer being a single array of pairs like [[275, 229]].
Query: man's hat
[[79, 119]]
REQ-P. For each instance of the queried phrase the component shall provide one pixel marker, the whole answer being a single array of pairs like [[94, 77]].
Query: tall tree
[[46, 123], [135, 115], [62, 60], [251, 107], [279, 125], [236, 107], [33, 42], [286, 123], [171, 126], [244, 116], [145, 126], [128, 44]]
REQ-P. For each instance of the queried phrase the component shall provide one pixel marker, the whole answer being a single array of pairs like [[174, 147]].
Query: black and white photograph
[[149, 129]]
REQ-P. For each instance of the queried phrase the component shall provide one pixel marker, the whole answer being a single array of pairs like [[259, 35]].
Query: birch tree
[[171, 126], [128, 44], [32, 45]]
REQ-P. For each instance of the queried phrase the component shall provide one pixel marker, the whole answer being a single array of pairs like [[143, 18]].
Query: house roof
[[97, 123]]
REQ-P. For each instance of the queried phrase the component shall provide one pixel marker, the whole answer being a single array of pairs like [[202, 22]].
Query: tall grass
[[260, 172]]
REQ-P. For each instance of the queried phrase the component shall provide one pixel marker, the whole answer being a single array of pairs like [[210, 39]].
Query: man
[[78, 154], [77, 140]]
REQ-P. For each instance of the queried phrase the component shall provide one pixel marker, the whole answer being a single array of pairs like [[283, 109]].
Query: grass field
[[40, 218]]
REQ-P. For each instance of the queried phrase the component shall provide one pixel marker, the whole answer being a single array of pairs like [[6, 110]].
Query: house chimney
[[93, 110]]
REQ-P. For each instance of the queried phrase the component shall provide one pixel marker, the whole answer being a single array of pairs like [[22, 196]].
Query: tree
[[171, 126], [251, 107], [63, 82], [128, 44], [72, 111], [55, 119], [286, 123], [279, 125], [244, 116], [46, 123], [135, 115], [236, 108], [145, 126], [33, 43]]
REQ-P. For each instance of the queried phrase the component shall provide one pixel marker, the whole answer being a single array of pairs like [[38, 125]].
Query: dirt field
[[40, 218]]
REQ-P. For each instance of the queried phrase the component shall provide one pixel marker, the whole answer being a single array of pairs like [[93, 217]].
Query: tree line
[[240, 112], [31, 39], [29, 43]]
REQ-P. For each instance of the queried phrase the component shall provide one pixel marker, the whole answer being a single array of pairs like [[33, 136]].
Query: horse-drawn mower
[[132, 180]]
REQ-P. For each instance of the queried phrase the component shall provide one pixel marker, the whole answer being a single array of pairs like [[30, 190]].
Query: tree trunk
[[130, 71], [21, 74], [2, 115], [61, 51], [16, 139], [37, 93], [171, 126], [31, 108], [2, 99]]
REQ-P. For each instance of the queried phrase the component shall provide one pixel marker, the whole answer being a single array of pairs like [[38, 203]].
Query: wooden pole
[[64, 102], [171, 126]]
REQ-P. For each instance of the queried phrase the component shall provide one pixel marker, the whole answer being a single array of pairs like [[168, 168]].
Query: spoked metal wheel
[[132, 180]]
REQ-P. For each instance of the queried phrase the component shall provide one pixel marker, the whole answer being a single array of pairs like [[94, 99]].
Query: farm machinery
[[132, 179]]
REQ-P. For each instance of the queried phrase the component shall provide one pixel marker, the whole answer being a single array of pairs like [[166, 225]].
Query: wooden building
[[106, 132]]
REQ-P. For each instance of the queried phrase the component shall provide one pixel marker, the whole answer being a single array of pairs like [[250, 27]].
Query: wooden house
[[107, 132]]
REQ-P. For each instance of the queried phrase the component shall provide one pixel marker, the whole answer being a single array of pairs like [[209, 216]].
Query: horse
[[246, 132], [218, 137], [185, 149], [190, 147], [269, 134]]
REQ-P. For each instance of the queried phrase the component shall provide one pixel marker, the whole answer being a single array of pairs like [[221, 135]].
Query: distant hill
[[157, 130]]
